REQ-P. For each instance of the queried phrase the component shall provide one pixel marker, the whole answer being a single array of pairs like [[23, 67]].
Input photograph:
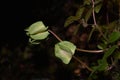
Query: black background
[[20, 14]]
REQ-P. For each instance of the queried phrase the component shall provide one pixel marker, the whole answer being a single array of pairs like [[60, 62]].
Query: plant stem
[[81, 50], [81, 62], [90, 51], [90, 35], [95, 23], [72, 56], [93, 13], [58, 38]]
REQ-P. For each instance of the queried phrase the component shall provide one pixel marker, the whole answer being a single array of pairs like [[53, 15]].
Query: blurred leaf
[[111, 25], [70, 20], [102, 65], [99, 46], [88, 14], [114, 36], [64, 50], [117, 55], [80, 12], [90, 34], [97, 1], [105, 42], [102, 46], [98, 7], [87, 2], [109, 51]]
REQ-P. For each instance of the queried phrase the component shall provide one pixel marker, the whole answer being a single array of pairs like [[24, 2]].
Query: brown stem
[[93, 13], [95, 23], [72, 56], [81, 62], [55, 35], [90, 51], [81, 50]]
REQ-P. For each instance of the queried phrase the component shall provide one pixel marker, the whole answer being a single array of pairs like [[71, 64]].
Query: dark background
[[20, 14], [15, 16]]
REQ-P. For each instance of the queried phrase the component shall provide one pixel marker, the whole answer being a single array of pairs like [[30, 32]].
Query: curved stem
[[95, 23], [81, 50], [72, 56], [55, 35]]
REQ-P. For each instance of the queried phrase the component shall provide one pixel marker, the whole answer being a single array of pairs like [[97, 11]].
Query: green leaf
[[70, 20], [114, 36], [36, 28], [64, 50], [87, 2], [117, 55], [102, 65], [109, 51], [105, 42], [98, 7], [80, 12], [97, 2], [111, 25], [88, 14], [90, 34], [102, 46]]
